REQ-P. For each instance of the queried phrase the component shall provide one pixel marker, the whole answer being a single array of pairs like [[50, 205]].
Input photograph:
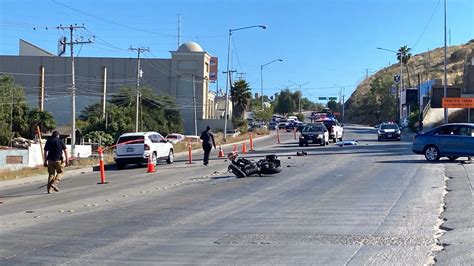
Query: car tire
[[120, 165], [334, 140], [170, 158], [379, 139], [432, 153], [300, 144], [453, 158]]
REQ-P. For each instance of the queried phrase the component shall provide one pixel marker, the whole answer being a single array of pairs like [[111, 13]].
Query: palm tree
[[405, 56], [240, 94]]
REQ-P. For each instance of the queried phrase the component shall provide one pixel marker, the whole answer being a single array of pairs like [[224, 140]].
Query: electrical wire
[[427, 24]]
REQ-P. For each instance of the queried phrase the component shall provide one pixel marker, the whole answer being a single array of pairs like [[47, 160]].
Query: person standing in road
[[207, 138], [53, 159]]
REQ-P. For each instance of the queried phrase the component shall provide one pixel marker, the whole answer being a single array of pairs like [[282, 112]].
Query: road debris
[[347, 143]]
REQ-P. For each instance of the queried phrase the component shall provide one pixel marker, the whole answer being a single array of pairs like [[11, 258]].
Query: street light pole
[[299, 98], [343, 100], [261, 76], [228, 73], [399, 91]]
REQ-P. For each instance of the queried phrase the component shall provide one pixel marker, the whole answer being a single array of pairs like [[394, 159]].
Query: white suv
[[138, 146]]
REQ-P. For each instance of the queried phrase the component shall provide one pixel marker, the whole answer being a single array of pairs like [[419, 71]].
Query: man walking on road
[[207, 138], [53, 151]]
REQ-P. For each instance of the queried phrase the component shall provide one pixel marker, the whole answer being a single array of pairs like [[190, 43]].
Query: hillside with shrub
[[372, 102]]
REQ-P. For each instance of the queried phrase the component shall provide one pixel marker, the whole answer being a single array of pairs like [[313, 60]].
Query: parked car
[[450, 140], [232, 133], [336, 130], [314, 133], [174, 138], [138, 146], [290, 127], [300, 126], [389, 131], [272, 125], [282, 125], [194, 138]]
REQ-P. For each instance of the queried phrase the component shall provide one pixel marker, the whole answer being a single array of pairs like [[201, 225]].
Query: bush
[[240, 124], [456, 56], [300, 116], [413, 120]]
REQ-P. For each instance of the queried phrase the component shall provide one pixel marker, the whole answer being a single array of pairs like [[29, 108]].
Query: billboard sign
[[323, 98], [213, 62]]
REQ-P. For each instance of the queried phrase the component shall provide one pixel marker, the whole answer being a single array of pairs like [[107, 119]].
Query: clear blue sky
[[321, 42]]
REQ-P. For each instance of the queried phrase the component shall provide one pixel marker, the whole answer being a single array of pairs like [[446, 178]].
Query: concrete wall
[[216, 125], [33, 156], [13, 152]]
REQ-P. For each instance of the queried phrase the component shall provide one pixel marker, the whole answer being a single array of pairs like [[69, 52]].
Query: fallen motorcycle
[[242, 167]]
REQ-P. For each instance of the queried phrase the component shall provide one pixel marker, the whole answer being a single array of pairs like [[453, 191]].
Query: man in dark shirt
[[207, 138], [53, 159]]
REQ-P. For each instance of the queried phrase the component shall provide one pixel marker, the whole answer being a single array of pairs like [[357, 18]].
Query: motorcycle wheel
[[236, 171], [270, 169]]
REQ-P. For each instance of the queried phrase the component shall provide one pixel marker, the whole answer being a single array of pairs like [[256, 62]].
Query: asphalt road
[[374, 203]]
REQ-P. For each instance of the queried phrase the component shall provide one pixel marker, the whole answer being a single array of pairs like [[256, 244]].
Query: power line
[[427, 24]]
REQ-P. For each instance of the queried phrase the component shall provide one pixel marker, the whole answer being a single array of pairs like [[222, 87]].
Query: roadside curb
[[76, 172], [29, 179], [455, 241]]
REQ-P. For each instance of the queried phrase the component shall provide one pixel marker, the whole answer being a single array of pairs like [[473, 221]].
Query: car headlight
[[320, 136], [398, 132], [301, 137]]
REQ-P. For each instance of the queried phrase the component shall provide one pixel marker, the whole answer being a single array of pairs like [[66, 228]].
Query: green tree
[[404, 55], [263, 115], [240, 94], [157, 113], [285, 102], [35, 117], [13, 109]]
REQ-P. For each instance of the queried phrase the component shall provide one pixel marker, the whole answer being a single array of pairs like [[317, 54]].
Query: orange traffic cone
[[244, 147], [221, 152], [151, 166], [235, 148]]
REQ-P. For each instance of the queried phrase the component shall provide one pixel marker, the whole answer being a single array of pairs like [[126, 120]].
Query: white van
[[138, 146]]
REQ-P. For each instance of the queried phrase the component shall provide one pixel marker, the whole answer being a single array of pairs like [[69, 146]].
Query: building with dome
[[47, 81]]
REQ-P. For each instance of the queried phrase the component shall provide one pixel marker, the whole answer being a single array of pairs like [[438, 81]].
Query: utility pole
[[241, 75], [445, 92], [420, 105], [367, 73], [104, 90], [41, 90], [11, 115], [137, 88], [71, 43], [194, 107], [228, 80]]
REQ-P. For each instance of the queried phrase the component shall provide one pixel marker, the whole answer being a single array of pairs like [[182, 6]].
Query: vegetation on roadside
[[19, 120], [369, 105], [157, 113]]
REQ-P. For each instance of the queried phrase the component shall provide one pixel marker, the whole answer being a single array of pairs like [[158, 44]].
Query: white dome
[[190, 47]]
